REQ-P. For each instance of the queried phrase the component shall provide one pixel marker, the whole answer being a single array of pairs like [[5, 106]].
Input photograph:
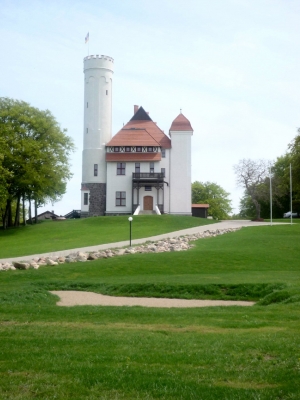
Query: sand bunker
[[77, 298]]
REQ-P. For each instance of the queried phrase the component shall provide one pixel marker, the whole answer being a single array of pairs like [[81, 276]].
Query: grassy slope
[[50, 236], [130, 353]]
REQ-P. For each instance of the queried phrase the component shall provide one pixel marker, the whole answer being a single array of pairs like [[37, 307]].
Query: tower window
[[106, 92], [148, 188], [127, 149], [117, 149], [138, 149], [121, 168], [85, 199], [152, 168], [163, 153], [120, 198], [137, 167], [95, 169], [163, 171], [87, 130], [150, 149], [87, 104]]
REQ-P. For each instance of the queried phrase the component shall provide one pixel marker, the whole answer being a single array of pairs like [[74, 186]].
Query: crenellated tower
[[97, 131]]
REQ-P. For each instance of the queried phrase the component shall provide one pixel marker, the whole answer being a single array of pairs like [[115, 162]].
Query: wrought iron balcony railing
[[148, 175]]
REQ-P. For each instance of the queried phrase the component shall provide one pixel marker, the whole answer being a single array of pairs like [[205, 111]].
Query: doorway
[[148, 203]]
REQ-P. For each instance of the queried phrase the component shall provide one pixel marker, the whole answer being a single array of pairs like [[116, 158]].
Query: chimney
[[135, 108]]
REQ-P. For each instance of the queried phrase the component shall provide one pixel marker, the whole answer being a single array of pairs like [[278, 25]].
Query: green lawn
[[51, 352], [48, 236]]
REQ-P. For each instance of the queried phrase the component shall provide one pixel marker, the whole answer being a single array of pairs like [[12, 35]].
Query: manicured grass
[[48, 236], [96, 352]]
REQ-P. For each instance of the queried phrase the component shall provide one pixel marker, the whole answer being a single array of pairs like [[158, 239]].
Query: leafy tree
[[252, 175], [294, 152], [35, 156], [214, 195], [247, 208]]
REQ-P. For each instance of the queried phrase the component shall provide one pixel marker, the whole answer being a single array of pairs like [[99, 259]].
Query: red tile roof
[[133, 137], [181, 123], [120, 157], [140, 131]]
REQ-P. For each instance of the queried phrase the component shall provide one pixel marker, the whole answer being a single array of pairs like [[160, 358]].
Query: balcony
[[157, 176]]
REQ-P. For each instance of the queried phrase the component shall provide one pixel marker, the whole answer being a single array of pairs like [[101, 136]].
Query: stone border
[[181, 243]]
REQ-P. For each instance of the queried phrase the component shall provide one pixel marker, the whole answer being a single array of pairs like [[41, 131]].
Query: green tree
[[35, 156], [294, 152], [252, 175], [214, 195]]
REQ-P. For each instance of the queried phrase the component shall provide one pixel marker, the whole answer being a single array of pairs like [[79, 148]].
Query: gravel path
[[77, 298]]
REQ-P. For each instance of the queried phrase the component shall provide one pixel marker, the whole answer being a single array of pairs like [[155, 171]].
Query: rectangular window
[[148, 188], [150, 149], [85, 199], [138, 149], [87, 130], [163, 171], [117, 149], [87, 105], [127, 149], [120, 198], [95, 169], [121, 168], [152, 168], [106, 92], [137, 167], [163, 153]]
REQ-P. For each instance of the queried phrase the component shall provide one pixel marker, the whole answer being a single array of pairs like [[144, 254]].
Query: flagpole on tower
[[87, 41]]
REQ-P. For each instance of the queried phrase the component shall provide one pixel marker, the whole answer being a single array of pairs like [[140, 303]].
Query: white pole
[[291, 193], [271, 194]]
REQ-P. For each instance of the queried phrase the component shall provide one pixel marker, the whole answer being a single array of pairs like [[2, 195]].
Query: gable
[[140, 131]]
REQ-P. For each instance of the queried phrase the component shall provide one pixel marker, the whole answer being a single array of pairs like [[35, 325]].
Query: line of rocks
[[181, 243]]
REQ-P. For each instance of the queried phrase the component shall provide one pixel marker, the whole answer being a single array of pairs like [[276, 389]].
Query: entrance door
[[148, 203]]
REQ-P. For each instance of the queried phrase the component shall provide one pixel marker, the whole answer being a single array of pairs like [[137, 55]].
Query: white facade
[[180, 173], [104, 190], [123, 183], [98, 71], [97, 129]]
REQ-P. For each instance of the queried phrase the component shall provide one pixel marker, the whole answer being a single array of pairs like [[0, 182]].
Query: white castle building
[[138, 169]]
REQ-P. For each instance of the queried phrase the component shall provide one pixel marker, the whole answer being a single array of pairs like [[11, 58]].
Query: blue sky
[[232, 66]]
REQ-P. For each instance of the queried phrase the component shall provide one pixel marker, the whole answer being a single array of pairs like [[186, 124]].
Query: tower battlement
[[97, 56], [97, 61]]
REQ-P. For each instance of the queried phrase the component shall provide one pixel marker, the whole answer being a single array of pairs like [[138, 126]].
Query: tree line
[[260, 177], [34, 159]]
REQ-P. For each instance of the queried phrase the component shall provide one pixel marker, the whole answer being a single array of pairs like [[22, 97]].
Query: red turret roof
[[181, 123]]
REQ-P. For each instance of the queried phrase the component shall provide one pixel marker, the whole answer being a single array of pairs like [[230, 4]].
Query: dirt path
[[77, 298]]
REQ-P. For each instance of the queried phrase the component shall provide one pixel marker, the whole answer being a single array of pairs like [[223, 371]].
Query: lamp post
[[130, 220]]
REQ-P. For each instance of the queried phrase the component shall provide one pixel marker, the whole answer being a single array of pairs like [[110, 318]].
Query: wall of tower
[[180, 173], [97, 199], [97, 129]]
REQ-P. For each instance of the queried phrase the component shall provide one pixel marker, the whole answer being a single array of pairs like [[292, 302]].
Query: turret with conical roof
[[181, 132]]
